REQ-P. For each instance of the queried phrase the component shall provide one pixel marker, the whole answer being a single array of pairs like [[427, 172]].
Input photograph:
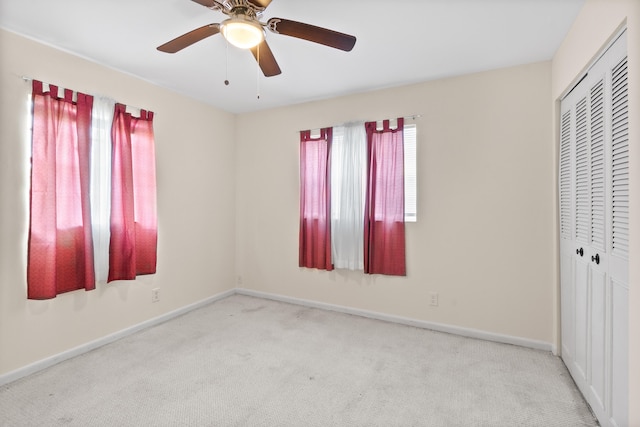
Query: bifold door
[[594, 230]]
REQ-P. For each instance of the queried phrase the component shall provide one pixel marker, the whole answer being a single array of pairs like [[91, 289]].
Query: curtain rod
[[132, 107], [409, 117]]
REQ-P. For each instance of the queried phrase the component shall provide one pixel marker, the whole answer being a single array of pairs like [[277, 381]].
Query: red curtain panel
[[60, 255], [315, 196], [384, 234], [133, 244]]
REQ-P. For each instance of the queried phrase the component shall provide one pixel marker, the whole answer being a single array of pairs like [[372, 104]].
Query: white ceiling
[[398, 42]]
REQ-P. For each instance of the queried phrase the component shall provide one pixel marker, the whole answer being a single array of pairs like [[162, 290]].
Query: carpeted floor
[[245, 361]]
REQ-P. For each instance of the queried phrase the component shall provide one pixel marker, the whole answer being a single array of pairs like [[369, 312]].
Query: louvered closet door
[[594, 200], [567, 243], [619, 256], [576, 228], [596, 256]]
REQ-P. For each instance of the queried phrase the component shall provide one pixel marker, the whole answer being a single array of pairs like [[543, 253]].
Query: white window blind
[[410, 174]]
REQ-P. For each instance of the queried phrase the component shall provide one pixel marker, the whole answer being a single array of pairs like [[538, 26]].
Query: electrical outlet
[[434, 299], [155, 295]]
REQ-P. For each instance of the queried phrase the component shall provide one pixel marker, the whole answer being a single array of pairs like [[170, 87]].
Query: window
[[64, 248], [356, 238]]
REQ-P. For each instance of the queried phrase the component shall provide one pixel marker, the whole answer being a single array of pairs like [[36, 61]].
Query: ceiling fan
[[244, 29]]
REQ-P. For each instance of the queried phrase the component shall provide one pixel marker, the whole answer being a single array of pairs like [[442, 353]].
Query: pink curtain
[[60, 256], [384, 238], [132, 249], [315, 220]]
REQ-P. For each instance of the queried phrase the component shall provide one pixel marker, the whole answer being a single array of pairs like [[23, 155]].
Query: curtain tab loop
[[36, 86]]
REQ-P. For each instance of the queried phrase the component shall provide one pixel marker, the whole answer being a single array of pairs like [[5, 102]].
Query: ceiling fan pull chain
[[226, 64], [258, 72]]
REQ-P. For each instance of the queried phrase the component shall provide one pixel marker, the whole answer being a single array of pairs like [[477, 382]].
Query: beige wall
[[196, 195], [596, 24], [486, 213]]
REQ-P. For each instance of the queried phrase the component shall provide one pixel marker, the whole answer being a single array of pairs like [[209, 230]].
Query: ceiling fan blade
[[206, 3], [262, 4], [222, 6], [312, 33], [267, 61], [189, 38]]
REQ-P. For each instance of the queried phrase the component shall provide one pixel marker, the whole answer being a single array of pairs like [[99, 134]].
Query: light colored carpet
[[245, 361]]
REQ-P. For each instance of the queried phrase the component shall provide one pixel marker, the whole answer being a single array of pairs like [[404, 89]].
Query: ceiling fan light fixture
[[242, 33]]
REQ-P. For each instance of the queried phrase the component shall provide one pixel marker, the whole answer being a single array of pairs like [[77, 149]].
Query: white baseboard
[[84, 348], [440, 327]]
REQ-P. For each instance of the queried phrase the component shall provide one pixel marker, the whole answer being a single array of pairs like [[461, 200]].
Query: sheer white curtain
[[103, 109], [348, 187]]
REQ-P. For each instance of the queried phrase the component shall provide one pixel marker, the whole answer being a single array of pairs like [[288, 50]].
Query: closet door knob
[[596, 258], [580, 252]]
